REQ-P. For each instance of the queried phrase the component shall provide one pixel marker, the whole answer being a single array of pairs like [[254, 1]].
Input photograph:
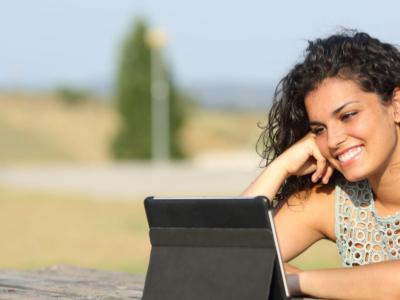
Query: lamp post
[[160, 123]]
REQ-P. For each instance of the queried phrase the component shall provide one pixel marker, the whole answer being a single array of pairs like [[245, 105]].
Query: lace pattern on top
[[363, 237]]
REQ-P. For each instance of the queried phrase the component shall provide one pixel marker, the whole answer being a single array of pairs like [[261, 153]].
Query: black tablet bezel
[[207, 212]]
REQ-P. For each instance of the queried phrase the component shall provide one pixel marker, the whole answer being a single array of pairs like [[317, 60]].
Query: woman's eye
[[348, 115], [317, 130]]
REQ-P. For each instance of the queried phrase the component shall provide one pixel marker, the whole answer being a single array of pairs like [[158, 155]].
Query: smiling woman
[[332, 151], [355, 136]]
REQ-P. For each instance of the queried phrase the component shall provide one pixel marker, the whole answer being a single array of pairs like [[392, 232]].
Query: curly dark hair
[[349, 55]]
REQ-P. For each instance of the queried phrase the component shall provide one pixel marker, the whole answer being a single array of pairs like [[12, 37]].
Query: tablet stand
[[212, 263]]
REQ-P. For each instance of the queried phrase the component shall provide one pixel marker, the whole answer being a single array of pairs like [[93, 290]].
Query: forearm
[[268, 182], [302, 158], [373, 281]]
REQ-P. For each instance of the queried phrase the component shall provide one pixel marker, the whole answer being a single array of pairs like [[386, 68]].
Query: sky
[[51, 42]]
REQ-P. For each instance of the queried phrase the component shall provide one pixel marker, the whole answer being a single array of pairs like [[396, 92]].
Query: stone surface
[[68, 282]]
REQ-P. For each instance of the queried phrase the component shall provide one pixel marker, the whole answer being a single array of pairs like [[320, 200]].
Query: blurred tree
[[71, 95], [133, 99]]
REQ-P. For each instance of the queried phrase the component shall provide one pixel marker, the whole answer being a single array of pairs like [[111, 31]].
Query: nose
[[336, 136]]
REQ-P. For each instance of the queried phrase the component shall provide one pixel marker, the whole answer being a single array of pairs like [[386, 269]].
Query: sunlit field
[[40, 128], [40, 228]]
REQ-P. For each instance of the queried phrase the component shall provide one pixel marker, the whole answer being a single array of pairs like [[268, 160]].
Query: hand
[[292, 279], [304, 158]]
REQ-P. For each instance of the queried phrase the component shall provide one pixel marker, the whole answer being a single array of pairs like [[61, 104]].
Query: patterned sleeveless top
[[362, 236]]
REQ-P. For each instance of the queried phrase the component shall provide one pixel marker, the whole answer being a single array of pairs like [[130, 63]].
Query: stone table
[[68, 282]]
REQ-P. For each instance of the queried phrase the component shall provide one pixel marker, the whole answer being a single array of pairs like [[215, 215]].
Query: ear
[[396, 104]]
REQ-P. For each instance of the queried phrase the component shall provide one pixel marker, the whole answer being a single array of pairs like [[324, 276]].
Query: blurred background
[[104, 103]]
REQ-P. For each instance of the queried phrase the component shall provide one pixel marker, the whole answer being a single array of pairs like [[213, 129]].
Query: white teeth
[[349, 154]]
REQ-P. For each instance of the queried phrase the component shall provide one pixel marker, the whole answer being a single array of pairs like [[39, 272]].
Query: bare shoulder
[[313, 209]]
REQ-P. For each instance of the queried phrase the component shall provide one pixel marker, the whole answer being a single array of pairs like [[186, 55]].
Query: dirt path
[[137, 180]]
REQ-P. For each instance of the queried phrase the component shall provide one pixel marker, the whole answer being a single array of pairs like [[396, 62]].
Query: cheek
[[366, 128], [360, 127]]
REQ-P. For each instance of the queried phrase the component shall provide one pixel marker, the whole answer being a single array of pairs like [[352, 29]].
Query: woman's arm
[[300, 159], [304, 219], [298, 222], [373, 281], [268, 182]]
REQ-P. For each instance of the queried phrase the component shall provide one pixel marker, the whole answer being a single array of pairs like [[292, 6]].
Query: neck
[[386, 188], [385, 183]]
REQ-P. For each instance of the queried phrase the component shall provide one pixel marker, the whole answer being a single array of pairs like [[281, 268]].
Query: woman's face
[[354, 130]]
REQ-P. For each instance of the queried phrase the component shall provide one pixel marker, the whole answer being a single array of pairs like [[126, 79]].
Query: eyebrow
[[335, 112]]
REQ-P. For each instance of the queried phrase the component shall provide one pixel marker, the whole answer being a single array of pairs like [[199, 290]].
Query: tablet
[[213, 248]]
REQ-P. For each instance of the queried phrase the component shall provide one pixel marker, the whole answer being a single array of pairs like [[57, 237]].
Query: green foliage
[[71, 95], [133, 99], [176, 120]]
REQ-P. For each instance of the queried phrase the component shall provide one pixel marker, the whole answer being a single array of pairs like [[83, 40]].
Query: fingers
[[321, 163], [324, 169], [328, 174], [305, 158]]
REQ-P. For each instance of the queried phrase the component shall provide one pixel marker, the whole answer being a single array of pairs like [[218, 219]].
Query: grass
[[39, 128], [323, 254], [208, 131], [16, 145], [39, 229]]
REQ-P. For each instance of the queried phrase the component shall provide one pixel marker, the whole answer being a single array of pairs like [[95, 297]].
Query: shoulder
[[314, 208], [305, 218]]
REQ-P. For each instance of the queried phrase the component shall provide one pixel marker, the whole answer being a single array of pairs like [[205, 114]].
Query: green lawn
[[39, 229], [20, 146]]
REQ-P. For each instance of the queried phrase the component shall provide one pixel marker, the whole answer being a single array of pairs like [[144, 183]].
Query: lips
[[349, 155]]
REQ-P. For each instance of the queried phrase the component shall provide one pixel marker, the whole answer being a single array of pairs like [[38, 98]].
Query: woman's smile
[[349, 156]]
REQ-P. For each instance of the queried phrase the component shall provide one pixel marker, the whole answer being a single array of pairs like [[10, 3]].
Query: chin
[[354, 176]]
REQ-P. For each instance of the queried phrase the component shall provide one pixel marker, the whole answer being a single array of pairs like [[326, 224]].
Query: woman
[[332, 147]]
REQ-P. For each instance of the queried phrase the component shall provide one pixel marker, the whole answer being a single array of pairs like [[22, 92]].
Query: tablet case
[[203, 250]]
